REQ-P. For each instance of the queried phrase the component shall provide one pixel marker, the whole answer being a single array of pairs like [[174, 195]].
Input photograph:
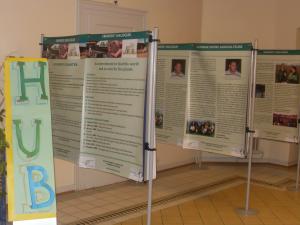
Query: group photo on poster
[[286, 73]]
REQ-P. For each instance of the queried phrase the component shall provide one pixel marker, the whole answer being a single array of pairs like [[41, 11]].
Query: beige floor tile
[[275, 206], [251, 220], [232, 220]]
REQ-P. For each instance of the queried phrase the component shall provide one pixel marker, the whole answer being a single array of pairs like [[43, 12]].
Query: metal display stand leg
[[249, 131], [76, 176], [150, 142], [150, 190], [199, 161], [296, 187], [247, 211]]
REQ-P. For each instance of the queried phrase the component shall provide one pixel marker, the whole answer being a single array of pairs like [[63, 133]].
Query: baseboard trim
[[65, 188]]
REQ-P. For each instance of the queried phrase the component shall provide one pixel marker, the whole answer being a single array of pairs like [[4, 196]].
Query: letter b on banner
[[37, 178]]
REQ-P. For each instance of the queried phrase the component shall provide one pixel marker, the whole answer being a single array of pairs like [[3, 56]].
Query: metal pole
[[199, 161], [76, 172], [150, 187], [296, 188], [249, 178], [150, 117], [298, 169], [42, 44], [251, 99]]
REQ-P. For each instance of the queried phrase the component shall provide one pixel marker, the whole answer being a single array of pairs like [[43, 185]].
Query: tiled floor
[[275, 207], [187, 182]]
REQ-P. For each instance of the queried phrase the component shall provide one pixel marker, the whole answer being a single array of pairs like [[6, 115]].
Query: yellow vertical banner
[[30, 170]]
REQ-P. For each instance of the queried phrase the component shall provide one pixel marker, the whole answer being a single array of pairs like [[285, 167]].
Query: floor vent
[[156, 202]]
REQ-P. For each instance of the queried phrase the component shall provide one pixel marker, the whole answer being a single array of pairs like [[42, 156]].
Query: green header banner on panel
[[176, 47], [84, 38], [279, 52], [224, 47], [66, 39], [119, 36]]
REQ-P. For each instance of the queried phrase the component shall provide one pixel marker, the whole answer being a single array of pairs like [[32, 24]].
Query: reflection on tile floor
[[275, 207], [73, 207]]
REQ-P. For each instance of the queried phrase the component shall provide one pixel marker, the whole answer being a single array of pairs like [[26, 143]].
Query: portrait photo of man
[[233, 67], [178, 68]]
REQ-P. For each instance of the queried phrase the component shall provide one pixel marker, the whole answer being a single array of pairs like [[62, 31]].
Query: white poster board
[[98, 86], [277, 95], [217, 95]]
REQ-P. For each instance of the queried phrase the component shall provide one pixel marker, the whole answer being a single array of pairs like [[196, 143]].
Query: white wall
[[273, 22], [22, 23], [298, 39]]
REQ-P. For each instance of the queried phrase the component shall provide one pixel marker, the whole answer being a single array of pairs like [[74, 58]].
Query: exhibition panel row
[[202, 96], [201, 100], [99, 86]]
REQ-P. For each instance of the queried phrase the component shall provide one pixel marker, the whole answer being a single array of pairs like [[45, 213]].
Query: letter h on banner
[[24, 81]]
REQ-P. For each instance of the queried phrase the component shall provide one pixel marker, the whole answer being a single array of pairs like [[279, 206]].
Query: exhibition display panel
[[202, 96], [98, 83], [217, 99], [277, 95]]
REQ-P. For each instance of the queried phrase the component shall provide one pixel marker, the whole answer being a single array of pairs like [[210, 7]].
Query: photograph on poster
[[286, 73], [56, 51], [73, 51], [142, 50], [159, 119], [65, 51], [96, 49], [201, 127], [178, 68], [233, 67], [284, 120], [260, 91], [114, 49], [129, 48]]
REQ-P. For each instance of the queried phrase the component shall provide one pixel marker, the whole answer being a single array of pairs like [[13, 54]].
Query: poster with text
[[216, 109], [171, 85], [30, 169], [66, 88], [66, 74], [114, 105], [277, 95]]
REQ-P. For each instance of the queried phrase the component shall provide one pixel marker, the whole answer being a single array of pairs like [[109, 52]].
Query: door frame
[[108, 7]]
